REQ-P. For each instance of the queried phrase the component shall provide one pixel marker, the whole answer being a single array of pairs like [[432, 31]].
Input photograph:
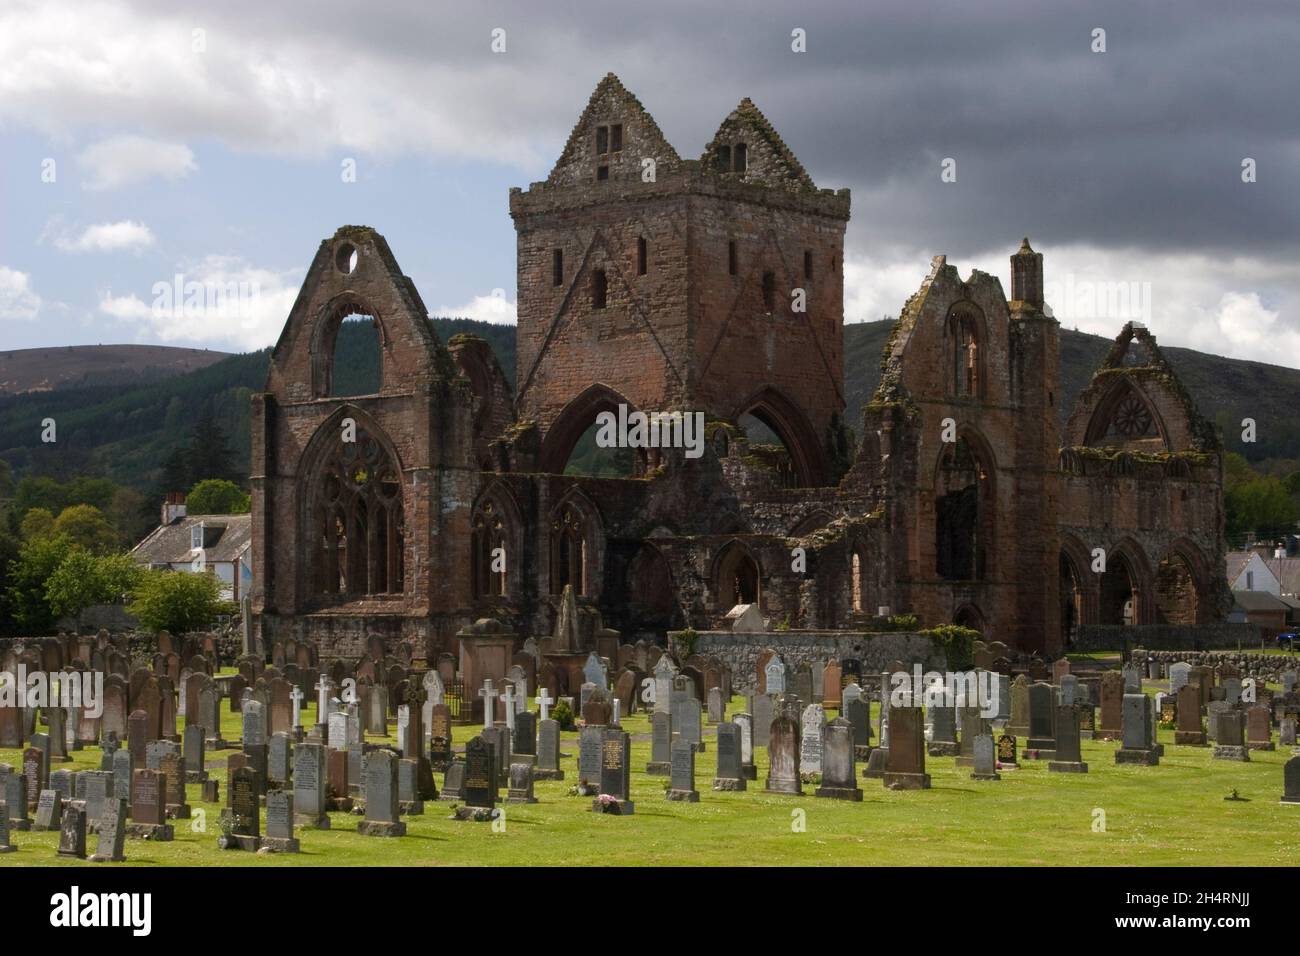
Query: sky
[[147, 147]]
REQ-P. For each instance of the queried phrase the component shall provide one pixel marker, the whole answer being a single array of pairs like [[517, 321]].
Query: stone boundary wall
[[1166, 637], [740, 650], [1266, 667]]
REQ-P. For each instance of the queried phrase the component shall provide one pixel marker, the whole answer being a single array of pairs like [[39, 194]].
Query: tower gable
[[612, 138], [747, 147]]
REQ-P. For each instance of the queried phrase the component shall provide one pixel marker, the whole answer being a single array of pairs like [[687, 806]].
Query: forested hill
[[125, 432]]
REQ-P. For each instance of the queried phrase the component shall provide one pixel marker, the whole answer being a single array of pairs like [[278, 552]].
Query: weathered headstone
[[1229, 735], [72, 831], [149, 806], [279, 822], [783, 774], [730, 775], [548, 752], [1068, 757], [111, 845], [682, 778], [839, 768], [1138, 744], [905, 769], [309, 793], [985, 767], [1259, 728], [1290, 781], [812, 735], [49, 811], [1190, 732], [381, 796], [943, 732]]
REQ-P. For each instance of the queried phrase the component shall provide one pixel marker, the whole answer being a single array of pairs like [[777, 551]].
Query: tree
[[1261, 506], [86, 526], [176, 601], [209, 454], [1236, 470], [25, 598], [9, 550], [216, 496], [36, 523], [83, 579]]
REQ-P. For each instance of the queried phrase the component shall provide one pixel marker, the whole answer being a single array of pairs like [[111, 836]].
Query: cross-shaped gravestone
[[510, 706], [544, 703], [322, 698], [489, 695], [296, 695]]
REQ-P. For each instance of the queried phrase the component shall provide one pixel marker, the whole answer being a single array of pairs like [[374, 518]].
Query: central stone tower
[[679, 285]]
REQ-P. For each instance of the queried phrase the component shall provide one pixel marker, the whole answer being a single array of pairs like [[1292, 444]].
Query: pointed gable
[[747, 146], [354, 273], [616, 133], [1136, 402]]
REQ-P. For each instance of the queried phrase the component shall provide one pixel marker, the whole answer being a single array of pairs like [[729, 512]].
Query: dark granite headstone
[[682, 775]]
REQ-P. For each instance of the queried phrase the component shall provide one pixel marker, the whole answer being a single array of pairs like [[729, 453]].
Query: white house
[[212, 544]]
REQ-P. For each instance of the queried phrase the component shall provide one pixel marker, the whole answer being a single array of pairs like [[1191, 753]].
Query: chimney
[[173, 507], [1027, 276]]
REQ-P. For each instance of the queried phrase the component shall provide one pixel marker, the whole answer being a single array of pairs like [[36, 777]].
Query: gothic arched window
[[568, 551], [489, 535], [358, 524], [965, 356]]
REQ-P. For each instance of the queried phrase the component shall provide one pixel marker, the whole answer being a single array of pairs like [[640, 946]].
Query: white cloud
[[1224, 305], [123, 160], [221, 300], [17, 299], [493, 308], [108, 237]]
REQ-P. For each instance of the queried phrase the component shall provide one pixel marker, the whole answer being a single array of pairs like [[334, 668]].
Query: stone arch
[[324, 336], [965, 498], [1125, 417], [1078, 590], [737, 577], [779, 413], [650, 588], [577, 545], [1180, 590], [496, 522], [965, 340], [1124, 591], [352, 512], [573, 422], [817, 518], [969, 615]]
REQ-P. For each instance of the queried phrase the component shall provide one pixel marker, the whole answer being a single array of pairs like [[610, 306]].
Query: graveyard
[[1173, 814]]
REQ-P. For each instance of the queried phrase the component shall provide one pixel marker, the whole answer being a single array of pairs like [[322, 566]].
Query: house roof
[[226, 537], [1258, 601], [1236, 562]]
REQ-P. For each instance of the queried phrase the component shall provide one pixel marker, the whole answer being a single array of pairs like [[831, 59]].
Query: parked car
[[1289, 640]]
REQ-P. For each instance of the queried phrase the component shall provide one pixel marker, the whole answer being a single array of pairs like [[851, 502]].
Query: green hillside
[[125, 433]]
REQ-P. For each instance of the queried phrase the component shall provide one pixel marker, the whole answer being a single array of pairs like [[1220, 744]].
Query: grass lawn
[[1173, 814]]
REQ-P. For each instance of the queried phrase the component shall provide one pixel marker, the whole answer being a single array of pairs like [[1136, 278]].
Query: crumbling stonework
[[716, 285]]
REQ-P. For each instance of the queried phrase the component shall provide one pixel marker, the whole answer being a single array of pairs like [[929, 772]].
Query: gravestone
[[812, 735], [72, 832], [521, 783], [730, 775], [839, 769], [905, 767], [1259, 728], [1068, 757], [1138, 745], [194, 747], [111, 844], [783, 753], [178, 807], [1132, 675], [763, 707], [49, 811], [943, 732], [309, 793], [482, 773], [985, 767], [453, 781], [15, 798], [1290, 781], [94, 788], [149, 806], [1228, 736], [661, 741], [245, 811], [548, 752], [973, 723], [687, 720], [279, 822], [775, 675], [1112, 699], [1178, 676], [615, 771], [279, 761], [381, 796], [717, 709], [1286, 732], [524, 739], [440, 752], [410, 801], [589, 744], [857, 710], [682, 778], [1041, 744], [339, 778], [123, 780], [1019, 726], [1190, 732]]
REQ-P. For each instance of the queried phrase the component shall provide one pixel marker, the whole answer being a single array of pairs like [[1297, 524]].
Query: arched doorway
[[963, 510], [969, 616], [1071, 598], [736, 578], [650, 589], [1120, 597]]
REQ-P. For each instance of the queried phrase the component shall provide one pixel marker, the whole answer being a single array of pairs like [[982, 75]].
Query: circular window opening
[[346, 258]]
